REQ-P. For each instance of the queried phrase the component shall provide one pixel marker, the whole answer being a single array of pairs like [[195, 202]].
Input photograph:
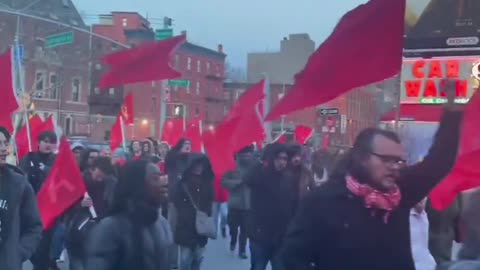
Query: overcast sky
[[241, 26]]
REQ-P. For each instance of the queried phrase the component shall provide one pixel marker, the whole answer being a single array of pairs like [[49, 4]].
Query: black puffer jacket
[[203, 194]]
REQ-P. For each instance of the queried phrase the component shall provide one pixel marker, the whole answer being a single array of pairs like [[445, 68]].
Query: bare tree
[[234, 74]]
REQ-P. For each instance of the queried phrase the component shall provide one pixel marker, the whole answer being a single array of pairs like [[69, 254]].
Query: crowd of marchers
[[157, 208]]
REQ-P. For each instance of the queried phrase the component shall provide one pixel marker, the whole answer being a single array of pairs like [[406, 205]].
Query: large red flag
[[193, 132], [173, 130], [241, 127], [147, 62], [116, 134], [127, 110], [365, 47], [63, 187], [7, 90], [465, 174], [36, 126], [302, 134], [6, 121]]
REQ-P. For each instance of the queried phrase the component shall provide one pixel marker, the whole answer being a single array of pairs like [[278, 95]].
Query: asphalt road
[[217, 257]]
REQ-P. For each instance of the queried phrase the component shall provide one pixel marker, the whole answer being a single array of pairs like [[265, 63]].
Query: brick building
[[202, 67], [56, 77]]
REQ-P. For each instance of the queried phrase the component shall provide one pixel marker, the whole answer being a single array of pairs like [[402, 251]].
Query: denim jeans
[[191, 259], [220, 212], [261, 255], [58, 241]]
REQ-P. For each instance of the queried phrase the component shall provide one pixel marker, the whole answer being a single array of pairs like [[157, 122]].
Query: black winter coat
[[203, 195], [334, 231]]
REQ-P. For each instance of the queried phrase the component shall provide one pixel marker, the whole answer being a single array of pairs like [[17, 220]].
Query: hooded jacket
[[20, 223], [234, 182], [273, 200], [202, 193]]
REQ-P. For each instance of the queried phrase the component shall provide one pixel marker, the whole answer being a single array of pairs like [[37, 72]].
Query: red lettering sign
[[427, 74]]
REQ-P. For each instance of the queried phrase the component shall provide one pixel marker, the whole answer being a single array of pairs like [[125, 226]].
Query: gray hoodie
[[21, 226]]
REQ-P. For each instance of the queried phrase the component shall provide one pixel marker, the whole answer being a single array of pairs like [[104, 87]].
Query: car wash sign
[[423, 79]]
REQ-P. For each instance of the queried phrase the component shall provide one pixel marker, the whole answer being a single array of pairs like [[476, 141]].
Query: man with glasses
[[360, 218]]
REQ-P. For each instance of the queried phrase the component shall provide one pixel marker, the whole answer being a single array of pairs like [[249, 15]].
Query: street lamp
[[144, 122]]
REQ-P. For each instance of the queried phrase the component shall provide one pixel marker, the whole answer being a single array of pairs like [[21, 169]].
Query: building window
[[177, 61], [111, 91], [199, 66], [154, 104], [96, 90], [189, 63], [197, 110], [197, 88], [188, 88], [68, 125], [53, 86], [208, 68], [124, 22], [40, 78], [76, 86]]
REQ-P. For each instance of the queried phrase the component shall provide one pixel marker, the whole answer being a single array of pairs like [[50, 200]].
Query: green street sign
[[179, 83], [161, 34], [59, 39]]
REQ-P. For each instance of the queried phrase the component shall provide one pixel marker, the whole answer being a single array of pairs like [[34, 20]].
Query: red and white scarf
[[374, 199]]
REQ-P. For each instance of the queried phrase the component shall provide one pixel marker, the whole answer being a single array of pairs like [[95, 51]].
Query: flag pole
[[21, 80], [397, 111], [266, 108], [122, 127]]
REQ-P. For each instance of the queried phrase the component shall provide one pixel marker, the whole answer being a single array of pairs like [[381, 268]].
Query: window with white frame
[[53, 86], [197, 88], [189, 63], [76, 88], [40, 79], [199, 66], [111, 91], [188, 88], [68, 125], [208, 68]]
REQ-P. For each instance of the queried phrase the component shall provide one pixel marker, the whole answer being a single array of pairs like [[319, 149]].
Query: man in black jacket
[[37, 166], [20, 224], [193, 192], [360, 218], [273, 202]]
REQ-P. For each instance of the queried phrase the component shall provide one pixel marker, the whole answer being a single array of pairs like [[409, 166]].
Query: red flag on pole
[[7, 90], [63, 187], [368, 39], [194, 134], [6, 121], [465, 174], [127, 110], [21, 138], [281, 138], [147, 62], [302, 134], [242, 126], [117, 134], [173, 130]]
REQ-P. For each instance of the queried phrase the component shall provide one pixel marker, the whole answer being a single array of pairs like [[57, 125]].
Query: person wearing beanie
[[301, 175]]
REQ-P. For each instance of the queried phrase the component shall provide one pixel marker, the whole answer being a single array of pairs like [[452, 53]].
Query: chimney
[[220, 48], [285, 38], [184, 32]]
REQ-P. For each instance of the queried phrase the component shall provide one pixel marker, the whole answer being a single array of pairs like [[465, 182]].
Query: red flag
[[302, 134], [282, 138], [7, 90], [194, 134], [173, 130], [116, 134], [36, 126], [368, 40], [6, 121], [49, 124], [147, 62], [465, 174], [242, 126], [63, 187], [127, 110]]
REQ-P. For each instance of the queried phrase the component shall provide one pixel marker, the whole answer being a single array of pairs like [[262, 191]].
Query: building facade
[[281, 66], [202, 69]]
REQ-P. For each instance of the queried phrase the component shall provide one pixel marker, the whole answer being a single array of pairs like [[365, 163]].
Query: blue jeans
[[191, 259], [58, 241], [220, 212], [261, 255]]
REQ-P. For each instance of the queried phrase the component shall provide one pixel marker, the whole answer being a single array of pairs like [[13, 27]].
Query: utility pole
[[266, 109], [167, 22]]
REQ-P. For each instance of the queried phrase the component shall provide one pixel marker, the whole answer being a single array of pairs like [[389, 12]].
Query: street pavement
[[217, 257]]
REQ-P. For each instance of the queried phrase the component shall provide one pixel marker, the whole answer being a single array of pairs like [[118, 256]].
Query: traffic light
[[167, 22]]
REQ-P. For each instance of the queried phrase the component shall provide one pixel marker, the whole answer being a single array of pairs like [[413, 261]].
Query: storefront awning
[[416, 112]]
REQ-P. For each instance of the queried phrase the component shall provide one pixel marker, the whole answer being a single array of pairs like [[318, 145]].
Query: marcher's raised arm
[[417, 181]]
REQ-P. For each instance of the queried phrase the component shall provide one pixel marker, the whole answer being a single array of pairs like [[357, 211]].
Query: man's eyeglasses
[[391, 160]]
